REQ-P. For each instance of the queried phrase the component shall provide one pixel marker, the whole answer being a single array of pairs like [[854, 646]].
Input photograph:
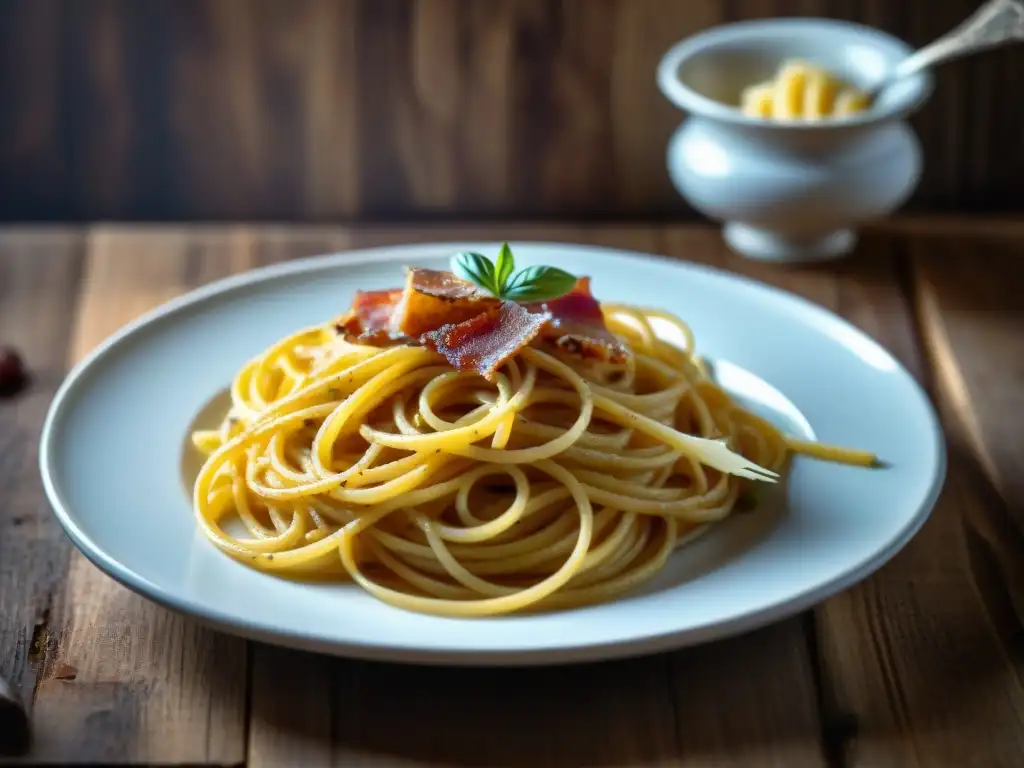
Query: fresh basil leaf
[[504, 266], [538, 284], [477, 269]]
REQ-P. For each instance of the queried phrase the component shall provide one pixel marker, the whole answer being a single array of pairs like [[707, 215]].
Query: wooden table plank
[[972, 320], [972, 317], [334, 712], [912, 655], [130, 681], [896, 652], [866, 292], [38, 280], [920, 665]]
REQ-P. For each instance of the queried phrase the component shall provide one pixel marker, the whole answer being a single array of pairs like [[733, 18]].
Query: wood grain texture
[[615, 714], [38, 281], [930, 609], [920, 665], [973, 326], [411, 109], [906, 659], [672, 709], [126, 681], [973, 320]]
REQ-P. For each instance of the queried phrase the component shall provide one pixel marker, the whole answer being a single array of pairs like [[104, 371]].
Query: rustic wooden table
[[921, 664]]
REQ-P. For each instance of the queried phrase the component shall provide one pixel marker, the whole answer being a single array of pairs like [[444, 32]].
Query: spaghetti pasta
[[561, 481], [802, 91]]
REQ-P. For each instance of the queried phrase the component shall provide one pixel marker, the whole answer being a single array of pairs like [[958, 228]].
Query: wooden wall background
[[411, 109]]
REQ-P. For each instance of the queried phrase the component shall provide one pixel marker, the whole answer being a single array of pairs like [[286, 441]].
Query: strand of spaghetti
[[490, 605], [241, 400], [693, 509], [359, 470], [437, 589], [343, 380], [641, 488], [605, 552], [453, 440], [502, 522], [624, 582], [709, 452], [247, 546], [438, 491], [538, 544], [401, 373], [240, 496], [640, 458], [605, 442], [282, 561], [233, 449], [435, 389], [553, 447], [608, 548], [455, 569], [544, 559], [836, 453], [633, 543]]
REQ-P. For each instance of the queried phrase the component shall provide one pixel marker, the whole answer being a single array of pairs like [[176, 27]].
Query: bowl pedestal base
[[766, 245]]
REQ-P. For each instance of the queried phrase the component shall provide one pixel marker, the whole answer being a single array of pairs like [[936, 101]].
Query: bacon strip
[[577, 325], [369, 318], [487, 340], [472, 329], [432, 299]]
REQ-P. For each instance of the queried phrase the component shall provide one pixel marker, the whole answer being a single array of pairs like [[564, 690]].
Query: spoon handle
[[997, 21]]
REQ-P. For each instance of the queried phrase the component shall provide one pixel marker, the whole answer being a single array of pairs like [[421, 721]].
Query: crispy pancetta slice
[[472, 329], [487, 340], [577, 325]]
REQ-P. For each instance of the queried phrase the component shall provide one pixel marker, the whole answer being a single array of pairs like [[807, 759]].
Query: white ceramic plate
[[115, 443]]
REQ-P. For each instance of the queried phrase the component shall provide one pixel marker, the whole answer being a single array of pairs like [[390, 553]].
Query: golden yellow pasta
[[801, 91], [560, 481]]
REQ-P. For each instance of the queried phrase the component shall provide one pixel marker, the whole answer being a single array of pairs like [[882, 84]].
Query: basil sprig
[[537, 283]]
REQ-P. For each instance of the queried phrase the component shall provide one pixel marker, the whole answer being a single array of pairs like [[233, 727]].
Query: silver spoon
[[995, 23]]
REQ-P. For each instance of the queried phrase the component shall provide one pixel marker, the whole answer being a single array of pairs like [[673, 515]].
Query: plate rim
[[575, 652]]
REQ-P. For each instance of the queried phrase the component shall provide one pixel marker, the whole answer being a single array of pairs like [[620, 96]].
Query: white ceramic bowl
[[792, 190]]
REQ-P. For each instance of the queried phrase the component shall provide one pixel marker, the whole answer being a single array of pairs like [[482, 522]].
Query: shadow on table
[[146, 685], [746, 697]]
